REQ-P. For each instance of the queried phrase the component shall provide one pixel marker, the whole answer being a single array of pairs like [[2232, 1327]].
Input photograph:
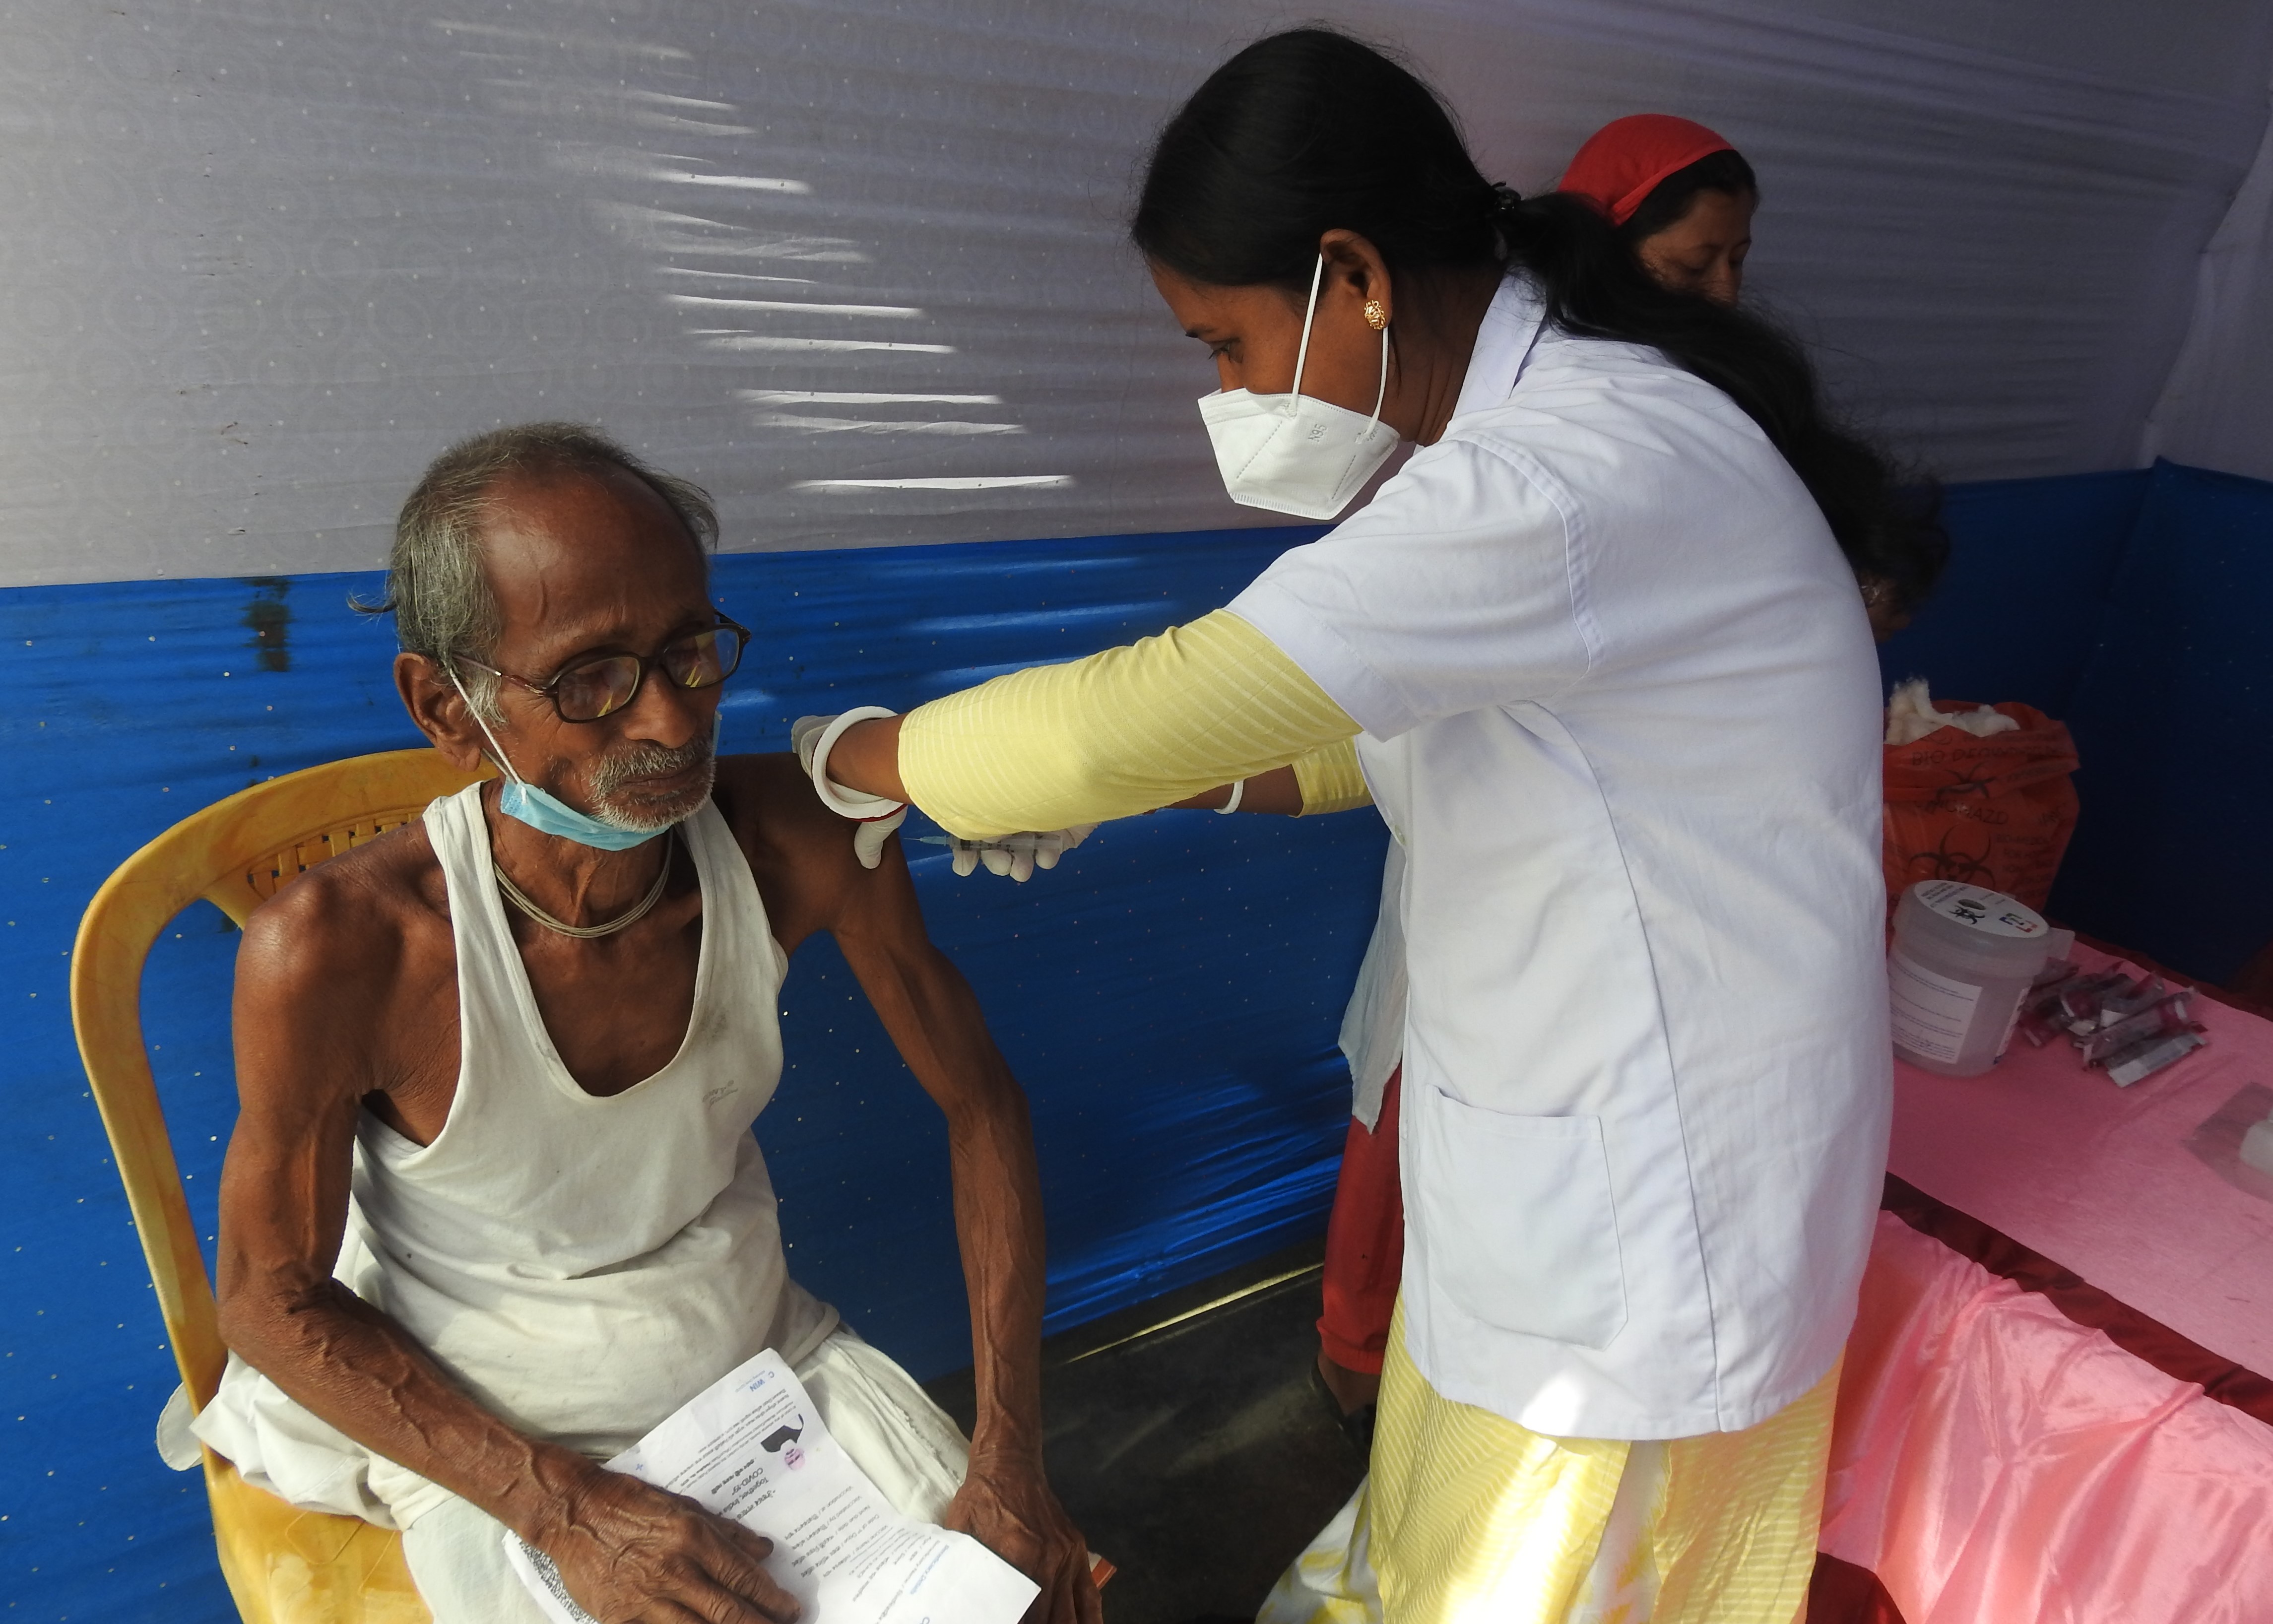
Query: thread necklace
[[639, 910]]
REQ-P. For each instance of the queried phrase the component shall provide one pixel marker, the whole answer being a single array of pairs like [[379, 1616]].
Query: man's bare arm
[[935, 1019], [319, 971]]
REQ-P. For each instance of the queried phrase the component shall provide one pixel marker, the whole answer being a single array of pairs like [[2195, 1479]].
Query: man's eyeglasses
[[590, 689]]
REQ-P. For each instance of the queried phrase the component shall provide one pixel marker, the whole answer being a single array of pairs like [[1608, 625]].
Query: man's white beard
[[612, 780]]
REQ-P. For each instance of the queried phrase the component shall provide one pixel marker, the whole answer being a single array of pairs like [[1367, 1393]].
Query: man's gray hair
[[440, 599]]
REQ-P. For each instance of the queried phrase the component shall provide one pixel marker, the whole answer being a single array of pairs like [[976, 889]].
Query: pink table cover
[[1995, 1461], [2141, 1190]]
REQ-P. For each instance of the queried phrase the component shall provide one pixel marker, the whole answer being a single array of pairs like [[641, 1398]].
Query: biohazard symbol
[[1942, 863]]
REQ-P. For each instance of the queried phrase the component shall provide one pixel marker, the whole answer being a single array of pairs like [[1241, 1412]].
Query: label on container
[[1931, 1012], [1992, 912], [2012, 1025]]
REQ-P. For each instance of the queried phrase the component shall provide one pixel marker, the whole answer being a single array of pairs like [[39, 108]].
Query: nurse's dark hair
[[1310, 131]]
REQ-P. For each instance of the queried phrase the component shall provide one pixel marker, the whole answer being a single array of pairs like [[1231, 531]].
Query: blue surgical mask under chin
[[547, 813]]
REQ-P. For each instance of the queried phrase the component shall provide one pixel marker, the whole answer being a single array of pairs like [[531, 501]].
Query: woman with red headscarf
[[1681, 197]]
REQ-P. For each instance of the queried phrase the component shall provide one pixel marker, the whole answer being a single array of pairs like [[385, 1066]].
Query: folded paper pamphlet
[[752, 1447]]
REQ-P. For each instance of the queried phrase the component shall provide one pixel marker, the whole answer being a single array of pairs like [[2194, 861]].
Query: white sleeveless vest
[[583, 1266]]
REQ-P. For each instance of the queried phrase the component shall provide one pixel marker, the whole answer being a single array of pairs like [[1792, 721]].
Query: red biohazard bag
[[1995, 812]]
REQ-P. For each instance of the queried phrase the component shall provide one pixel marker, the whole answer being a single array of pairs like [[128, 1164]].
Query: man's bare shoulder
[[353, 919], [799, 851], [767, 801]]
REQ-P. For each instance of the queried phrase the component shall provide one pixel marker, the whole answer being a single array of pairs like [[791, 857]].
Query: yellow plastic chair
[[284, 1565]]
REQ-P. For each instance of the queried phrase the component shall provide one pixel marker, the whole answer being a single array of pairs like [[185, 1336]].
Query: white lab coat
[[1373, 1024], [1622, 711]]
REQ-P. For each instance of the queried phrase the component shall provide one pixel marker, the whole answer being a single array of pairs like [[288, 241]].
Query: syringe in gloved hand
[[1016, 856]]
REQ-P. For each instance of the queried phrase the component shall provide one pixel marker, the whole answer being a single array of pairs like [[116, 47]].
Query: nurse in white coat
[[1597, 655]]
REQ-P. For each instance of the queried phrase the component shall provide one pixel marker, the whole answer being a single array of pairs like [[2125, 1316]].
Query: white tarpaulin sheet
[[2218, 409], [858, 265]]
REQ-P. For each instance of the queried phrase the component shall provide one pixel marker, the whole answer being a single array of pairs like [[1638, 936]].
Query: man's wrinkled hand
[[1013, 1512], [631, 1554]]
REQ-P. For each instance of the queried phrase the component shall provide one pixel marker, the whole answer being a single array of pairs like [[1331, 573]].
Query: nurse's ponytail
[[1310, 131], [1595, 288]]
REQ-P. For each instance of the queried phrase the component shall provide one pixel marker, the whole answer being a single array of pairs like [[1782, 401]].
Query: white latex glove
[[873, 817], [1017, 855]]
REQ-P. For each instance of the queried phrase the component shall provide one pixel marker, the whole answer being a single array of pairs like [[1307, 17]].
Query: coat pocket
[[1522, 1233]]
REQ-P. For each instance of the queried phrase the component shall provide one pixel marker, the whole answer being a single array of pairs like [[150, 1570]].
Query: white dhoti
[[910, 1449]]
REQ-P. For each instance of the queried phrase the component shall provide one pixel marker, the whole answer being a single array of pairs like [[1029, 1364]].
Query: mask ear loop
[[1310, 313], [1382, 393], [497, 749], [1303, 354]]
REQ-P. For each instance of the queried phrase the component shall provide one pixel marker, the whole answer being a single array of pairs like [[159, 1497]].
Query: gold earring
[[1376, 314]]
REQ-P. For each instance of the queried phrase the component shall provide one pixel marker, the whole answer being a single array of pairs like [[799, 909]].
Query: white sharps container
[[1962, 958]]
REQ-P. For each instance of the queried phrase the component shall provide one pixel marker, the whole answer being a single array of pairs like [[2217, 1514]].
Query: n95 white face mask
[[1294, 452]]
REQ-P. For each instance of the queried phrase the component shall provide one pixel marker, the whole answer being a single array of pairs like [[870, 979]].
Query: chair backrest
[[236, 854]]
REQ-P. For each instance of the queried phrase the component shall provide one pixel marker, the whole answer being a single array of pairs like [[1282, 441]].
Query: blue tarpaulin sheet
[[2133, 606], [2173, 715]]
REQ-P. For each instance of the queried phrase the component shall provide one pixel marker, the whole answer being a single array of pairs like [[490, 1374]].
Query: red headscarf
[[1623, 162]]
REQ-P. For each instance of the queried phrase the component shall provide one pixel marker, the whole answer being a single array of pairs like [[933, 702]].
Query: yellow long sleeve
[[1330, 780], [1120, 732]]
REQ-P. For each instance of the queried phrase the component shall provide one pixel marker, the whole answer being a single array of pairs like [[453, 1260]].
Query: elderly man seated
[[492, 1208]]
